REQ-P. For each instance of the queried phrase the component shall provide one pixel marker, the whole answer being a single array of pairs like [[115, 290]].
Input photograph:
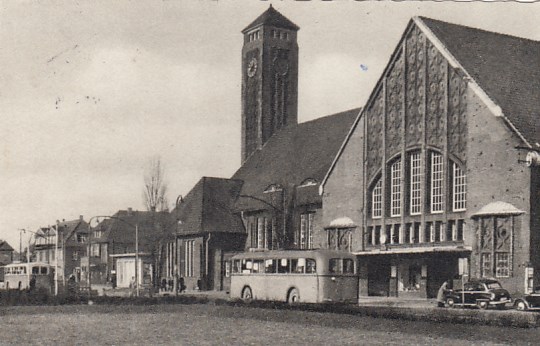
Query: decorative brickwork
[[416, 43]]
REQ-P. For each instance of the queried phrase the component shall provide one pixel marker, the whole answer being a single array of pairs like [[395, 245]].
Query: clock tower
[[269, 79]]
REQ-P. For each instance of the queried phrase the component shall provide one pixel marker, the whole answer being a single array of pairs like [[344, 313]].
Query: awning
[[498, 208], [341, 222], [414, 250]]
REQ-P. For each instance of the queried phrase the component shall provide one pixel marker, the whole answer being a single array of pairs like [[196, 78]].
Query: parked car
[[529, 301], [481, 293]]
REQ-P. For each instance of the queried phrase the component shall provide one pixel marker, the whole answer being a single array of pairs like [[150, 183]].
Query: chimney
[[129, 211], [81, 217]]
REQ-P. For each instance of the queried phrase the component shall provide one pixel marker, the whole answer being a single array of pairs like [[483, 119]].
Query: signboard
[[463, 266]]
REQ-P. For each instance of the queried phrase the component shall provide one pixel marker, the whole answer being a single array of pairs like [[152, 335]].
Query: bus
[[307, 276], [18, 276]]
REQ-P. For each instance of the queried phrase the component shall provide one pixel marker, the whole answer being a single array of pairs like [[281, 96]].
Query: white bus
[[18, 276], [309, 276]]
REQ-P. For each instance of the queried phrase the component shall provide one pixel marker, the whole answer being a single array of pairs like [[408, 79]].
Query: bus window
[[247, 265], [236, 266], [334, 265], [283, 266], [43, 270], [348, 266], [298, 265], [35, 270], [270, 266], [258, 266], [311, 267]]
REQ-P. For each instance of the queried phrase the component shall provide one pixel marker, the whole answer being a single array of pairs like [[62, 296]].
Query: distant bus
[[309, 276], [19, 275]]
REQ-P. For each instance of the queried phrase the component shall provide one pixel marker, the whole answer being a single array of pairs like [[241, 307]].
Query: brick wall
[[494, 174], [343, 193]]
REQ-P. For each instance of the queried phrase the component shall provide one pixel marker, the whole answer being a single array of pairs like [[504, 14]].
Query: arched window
[[437, 183], [376, 200], [395, 188], [415, 184]]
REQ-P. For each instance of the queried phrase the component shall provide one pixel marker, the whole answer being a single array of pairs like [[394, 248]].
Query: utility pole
[[56, 259]]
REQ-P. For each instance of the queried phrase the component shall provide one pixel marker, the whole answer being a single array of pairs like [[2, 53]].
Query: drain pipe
[[207, 256]]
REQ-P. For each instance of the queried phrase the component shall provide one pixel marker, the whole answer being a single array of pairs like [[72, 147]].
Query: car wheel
[[294, 296], [521, 306], [482, 304], [450, 302], [247, 295]]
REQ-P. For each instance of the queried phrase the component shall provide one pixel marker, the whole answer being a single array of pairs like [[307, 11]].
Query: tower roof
[[273, 18]]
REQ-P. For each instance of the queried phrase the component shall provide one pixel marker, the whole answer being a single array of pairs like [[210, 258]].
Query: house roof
[[120, 228], [4, 246], [505, 67], [291, 156], [208, 207], [272, 17], [69, 228]]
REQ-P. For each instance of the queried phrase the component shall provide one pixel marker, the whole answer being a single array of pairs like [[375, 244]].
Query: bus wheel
[[247, 295], [294, 296]]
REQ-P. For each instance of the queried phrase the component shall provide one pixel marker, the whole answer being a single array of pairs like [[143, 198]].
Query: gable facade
[[429, 150]]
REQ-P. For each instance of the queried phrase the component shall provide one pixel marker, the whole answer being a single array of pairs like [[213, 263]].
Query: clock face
[[252, 67], [281, 66]]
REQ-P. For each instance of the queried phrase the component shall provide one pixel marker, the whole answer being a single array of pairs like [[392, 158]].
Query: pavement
[[362, 301]]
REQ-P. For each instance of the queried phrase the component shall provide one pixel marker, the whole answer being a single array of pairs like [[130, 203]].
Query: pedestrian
[[72, 285], [132, 286], [443, 291]]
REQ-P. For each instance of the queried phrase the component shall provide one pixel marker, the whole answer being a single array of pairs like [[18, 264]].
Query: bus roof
[[25, 264], [292, 254]]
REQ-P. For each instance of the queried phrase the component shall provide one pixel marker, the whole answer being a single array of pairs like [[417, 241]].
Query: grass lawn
[[207, 324]]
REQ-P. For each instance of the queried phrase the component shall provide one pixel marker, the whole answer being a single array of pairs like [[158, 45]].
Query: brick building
[[272, 201], [434, 170], [72, 237]]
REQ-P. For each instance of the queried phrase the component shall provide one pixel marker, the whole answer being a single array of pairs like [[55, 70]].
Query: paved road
[[226, 325]]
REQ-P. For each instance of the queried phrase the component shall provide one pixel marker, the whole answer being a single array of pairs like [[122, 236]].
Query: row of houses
[[437, 175]]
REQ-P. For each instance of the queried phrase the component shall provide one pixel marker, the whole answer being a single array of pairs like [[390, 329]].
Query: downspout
[[207, 256]]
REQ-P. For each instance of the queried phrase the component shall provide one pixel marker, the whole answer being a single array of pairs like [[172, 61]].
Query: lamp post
[[136, 227]]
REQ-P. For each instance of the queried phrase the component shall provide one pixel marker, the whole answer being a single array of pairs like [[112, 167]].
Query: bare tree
[[155, 186]]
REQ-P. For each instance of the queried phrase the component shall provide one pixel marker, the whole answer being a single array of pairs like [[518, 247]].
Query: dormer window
[[273, 188], [308, 182]]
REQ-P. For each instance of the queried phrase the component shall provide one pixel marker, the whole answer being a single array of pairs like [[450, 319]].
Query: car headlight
[[492, 296]]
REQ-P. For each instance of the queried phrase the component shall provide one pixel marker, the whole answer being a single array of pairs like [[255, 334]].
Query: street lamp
[[136, 226]]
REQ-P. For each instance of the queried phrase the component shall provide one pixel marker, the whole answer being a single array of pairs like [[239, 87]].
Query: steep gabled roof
[[506, 67], [273, 18], [4, 246], [121, 228], [208, 208], [291, 156]]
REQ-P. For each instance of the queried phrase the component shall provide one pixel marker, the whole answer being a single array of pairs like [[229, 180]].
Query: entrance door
[[378, 277]]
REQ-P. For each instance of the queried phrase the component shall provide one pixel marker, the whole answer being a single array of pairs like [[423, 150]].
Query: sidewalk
[[397, 302]]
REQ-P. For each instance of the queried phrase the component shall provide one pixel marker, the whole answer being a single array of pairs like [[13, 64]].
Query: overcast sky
[[89, 90]]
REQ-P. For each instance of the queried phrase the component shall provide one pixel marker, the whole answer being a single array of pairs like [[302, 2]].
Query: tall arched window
[[437, 183], [376, 200], [459, 188], [395, 188], [415, 184]]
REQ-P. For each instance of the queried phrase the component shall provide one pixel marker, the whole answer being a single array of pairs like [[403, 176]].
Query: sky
[[91, 90]]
